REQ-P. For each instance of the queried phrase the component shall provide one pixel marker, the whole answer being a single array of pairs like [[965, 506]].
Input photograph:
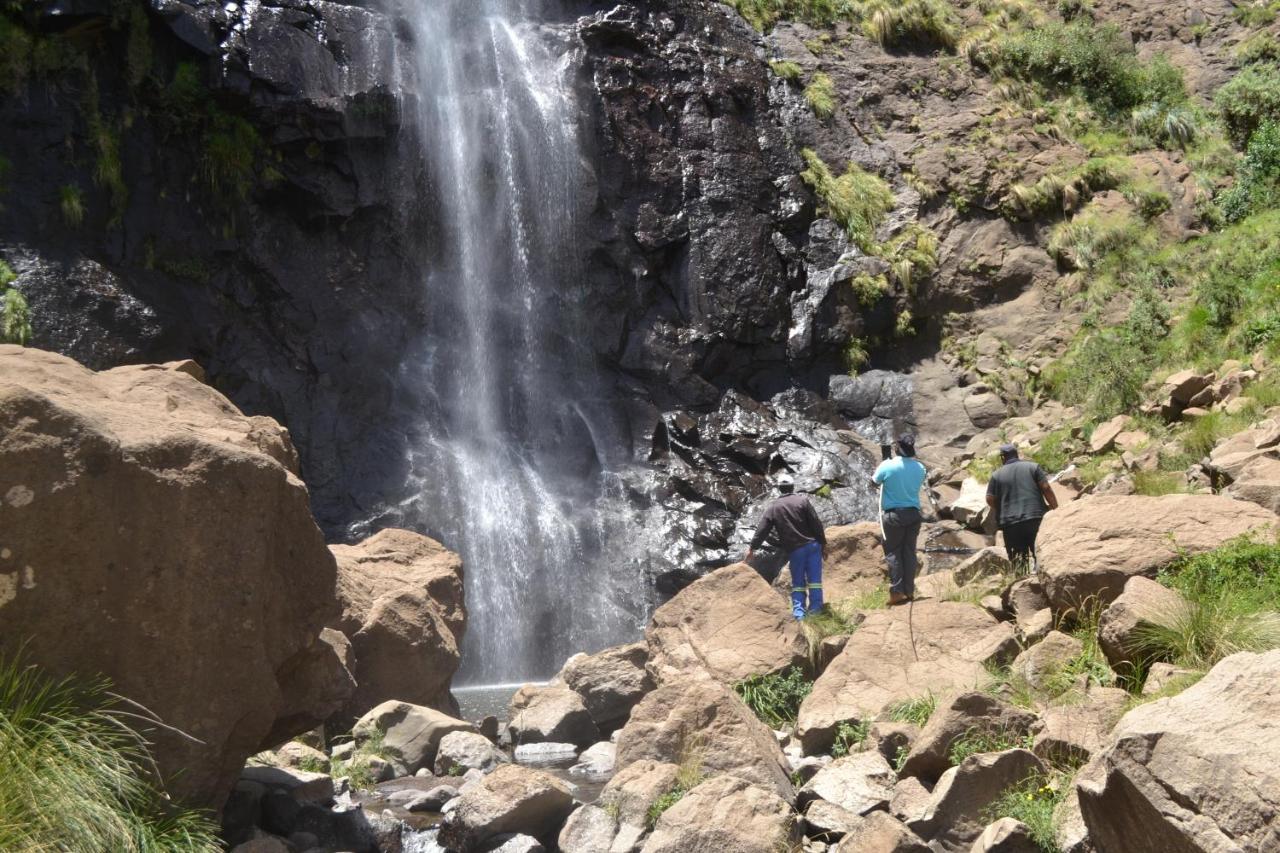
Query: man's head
[[907, 445], [785, 483], [1008, 452]]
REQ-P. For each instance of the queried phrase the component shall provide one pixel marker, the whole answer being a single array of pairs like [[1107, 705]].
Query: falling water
[[516, 447]]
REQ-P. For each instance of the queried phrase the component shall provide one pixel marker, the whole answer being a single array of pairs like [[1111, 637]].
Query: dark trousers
[[1020, 543], [901, 528]]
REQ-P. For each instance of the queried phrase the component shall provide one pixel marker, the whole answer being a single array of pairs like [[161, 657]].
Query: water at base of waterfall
[[518, 448]]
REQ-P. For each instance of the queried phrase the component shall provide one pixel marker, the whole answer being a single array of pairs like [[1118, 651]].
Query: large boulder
[[956, 716], [704, 723], [410, 734], [511, 799], [1042, 665], [1198, 771], [402, 607], [1143, 606], [619, 820], [156, 536], [725, 815], [1090, 548], [857, 783], [610, 682], [892, 658], [462, 750], [879, 833], [953, 817], [853, 563], [1071, 732], [550, 714], [729, 625]]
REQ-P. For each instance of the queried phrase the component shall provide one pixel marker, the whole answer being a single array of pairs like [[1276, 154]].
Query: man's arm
[[819, 531], [1046, 488], [762, 531], [993, 498], [877, 476]]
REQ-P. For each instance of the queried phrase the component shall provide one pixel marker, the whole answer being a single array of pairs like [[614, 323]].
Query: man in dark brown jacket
[[794, 526]]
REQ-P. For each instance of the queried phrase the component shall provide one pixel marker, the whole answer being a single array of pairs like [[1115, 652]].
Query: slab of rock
[[1185, 384], [411, 733], [1144, 605], [879, 666], [511, 799], [1162, 675], [628, 797], [156, 536], [514, 843], [880, 833], [597, 760], [892, 738], [1025, 596], [725, 815], [955, 716], [705, 720], [1072, 733], [402, 608], [610, 682], [852, 565], [466, 750], [985, 409], [550, 714], [909, 800], [857, 783], [1233, 455], [729, 624], [1198, 771], [590, 829], [300, 756], [1090, 548], [1035, 627], [302, 785], [1006, 836], [1258, 481], [970, 508], [985, 564], [952, 820], [1104, 435], [828, 822], [1041, 664], [545, 754]]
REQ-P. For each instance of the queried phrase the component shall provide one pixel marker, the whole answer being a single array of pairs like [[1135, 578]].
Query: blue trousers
[[806, 579]]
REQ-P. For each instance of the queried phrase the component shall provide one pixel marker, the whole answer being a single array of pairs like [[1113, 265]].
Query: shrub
[[930, 23], [857, 201], [775, 698], [1248, 100], [820, 94], [74, 776], [916, 711], [1259, 179], [1034, 802], [71, 202], [15, 316], [1259, 47], [1104, 375], [788, 71], [849, 737], [1167, 126], [1088, 237], [855, 355]]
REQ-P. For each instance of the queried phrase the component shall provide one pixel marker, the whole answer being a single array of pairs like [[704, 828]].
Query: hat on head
[[784, 481], [1008, 451], [907, 445]]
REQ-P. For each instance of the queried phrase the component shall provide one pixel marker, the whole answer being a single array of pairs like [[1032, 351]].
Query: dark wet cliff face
[[246, 188]]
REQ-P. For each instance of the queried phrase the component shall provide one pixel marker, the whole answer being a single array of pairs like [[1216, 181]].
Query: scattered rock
[[209, 629], [1073, 732], [858, 783], [1036, 627], [1090, 548], [411, 733], [706, 722], [1198, 771], [301, 785], [970, 508], [550, 714], [952, 818], [1162, 675], [598, 760], [880, 833], [300, 756], [610, 682], [466, 750], [1143, 606], [628, 797], [910, 797], [1006, 836], [987, 563], [878, 666], [1104, 435], [828, 822], [892, 739], [1041, 664], [510, 799], [725, 815], [590, 829], [954, 717], [729, 624], [402, 607]]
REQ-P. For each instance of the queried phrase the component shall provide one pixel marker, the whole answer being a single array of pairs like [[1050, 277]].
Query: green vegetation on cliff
[[74, 775]]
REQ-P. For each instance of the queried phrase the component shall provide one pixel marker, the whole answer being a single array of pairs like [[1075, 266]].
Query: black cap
[[907, 445], [1008, 451]]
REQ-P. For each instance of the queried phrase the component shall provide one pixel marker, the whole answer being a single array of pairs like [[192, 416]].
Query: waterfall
[[517, 446]]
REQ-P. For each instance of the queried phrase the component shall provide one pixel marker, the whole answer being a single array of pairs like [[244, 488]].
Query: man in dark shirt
[[793, 524], [1019, 495]]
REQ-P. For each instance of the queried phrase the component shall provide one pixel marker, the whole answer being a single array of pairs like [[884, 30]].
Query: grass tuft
[[916, 711], [1034, 802], [775, 698], [820, 94]]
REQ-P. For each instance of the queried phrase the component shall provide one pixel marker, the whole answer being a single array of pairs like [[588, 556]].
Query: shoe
[[898, 598]]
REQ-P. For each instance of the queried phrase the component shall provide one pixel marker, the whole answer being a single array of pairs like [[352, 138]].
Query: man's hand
[[750, 553]]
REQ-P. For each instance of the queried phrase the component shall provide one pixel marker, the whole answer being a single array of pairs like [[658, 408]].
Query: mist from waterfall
[[516, 455]]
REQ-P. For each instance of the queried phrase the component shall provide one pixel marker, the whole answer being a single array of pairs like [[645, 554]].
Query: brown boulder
[[610, 682], [881, 665], [1090, 548], [952, 819], [729, 625], [725, 815], [857, 783], [955, 717], [1105, 435], [1042, 664], [880, 833], [510, 799], [704, 723], [1006, 836], [411, 734], [853, 563], [402, 607], [550, 714], [1073, 732], [620, 820], [1198, 771], [1258, 482], [1143, 606], [157, 536]]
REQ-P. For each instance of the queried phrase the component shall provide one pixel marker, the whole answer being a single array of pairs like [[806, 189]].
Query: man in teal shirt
[[899, 481]]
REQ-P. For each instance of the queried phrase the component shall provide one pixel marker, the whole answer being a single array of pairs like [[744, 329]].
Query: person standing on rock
[[1019, 495], [899, 480], [794, 525]]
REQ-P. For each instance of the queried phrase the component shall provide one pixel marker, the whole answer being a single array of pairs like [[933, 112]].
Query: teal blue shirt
[[900, 479]]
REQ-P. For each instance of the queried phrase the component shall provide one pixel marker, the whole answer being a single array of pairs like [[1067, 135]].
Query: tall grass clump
[[916, 711], [980, 739], [1232, 604], [15, 315], [857, 200], [820, 95], [71, 203], [775, 698], [902, 23], [785, 69], [75, 777], [689, 775], [1034, 801]]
